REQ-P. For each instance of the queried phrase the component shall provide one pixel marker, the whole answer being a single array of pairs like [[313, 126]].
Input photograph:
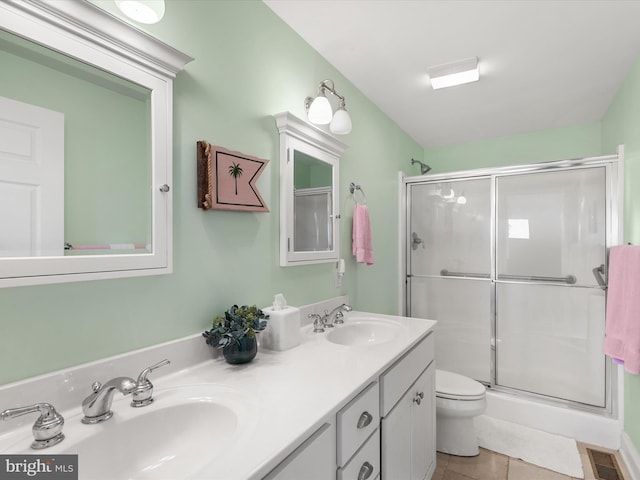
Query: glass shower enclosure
[[512, 264]]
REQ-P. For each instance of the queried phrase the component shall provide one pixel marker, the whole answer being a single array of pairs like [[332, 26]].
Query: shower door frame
[[614, 168]]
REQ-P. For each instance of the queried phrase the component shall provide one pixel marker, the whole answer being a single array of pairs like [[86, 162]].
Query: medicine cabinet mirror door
[[309, 205], [85, 145]]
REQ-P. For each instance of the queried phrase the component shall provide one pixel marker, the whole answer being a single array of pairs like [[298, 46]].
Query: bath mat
[[546, 450]]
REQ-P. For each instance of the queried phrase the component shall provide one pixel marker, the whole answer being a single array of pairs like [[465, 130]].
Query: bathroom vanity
[[354, 402]]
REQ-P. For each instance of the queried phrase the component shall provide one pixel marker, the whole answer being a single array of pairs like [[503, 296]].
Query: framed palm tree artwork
[[227, 179]]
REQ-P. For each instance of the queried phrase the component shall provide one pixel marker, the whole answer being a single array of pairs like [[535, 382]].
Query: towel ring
[[353, 187]]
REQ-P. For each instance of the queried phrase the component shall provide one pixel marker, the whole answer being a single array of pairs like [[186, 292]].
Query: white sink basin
[[176, 437], [364, 332]]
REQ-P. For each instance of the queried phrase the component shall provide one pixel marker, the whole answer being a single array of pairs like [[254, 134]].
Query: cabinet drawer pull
[[418, 398], [365, 471], [365, 419]]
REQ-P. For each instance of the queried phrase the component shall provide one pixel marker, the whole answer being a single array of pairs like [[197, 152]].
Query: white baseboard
[[630, 456]]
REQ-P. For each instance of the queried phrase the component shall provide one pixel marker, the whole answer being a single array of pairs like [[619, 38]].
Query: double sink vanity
[[354, 402]]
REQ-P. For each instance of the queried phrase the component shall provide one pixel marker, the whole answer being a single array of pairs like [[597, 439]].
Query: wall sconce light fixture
[[455, 73], [143, 11], [319, 110]]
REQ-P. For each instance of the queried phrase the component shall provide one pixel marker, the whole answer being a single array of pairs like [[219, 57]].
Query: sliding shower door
[[511, 262], [551, 235], [449, 270]]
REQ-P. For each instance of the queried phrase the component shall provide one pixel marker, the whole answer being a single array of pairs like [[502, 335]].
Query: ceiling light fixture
[[455, 73], [143, 11], [319, 110]]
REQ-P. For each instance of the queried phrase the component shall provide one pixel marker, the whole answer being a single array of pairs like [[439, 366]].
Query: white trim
[[94, 25], [402, 247], [630, 456]]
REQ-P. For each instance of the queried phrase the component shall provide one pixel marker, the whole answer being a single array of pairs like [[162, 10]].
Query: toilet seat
[[452, 386]]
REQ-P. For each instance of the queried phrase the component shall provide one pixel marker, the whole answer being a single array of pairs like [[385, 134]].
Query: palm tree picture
[[235, 171]]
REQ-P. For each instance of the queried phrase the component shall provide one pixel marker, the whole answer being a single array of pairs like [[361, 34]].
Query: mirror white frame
[[87, 33], [298, 135]]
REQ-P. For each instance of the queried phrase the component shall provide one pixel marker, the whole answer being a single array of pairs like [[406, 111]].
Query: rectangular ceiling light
[[456, 73]]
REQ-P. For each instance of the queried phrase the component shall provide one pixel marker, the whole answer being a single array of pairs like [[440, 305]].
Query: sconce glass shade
[[341, 123], [143, 11], [320, 111]]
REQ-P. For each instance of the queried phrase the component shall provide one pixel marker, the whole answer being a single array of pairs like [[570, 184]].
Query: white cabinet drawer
[[400, 376], [365, 465], [356, 421]]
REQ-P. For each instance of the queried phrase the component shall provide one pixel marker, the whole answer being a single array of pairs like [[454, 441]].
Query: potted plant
[[235, 333]]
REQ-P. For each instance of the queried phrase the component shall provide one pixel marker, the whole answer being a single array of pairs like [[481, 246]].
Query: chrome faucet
[[97, 406], [320, 322], [339, 315], [47, 430]]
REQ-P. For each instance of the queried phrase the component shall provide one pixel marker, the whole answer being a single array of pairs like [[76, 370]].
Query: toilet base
[[456, 436]]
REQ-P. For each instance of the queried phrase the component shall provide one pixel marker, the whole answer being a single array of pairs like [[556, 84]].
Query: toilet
[[458, 400]]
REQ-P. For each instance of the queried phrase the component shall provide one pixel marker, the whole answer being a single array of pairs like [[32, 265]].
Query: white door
[[31, 180], [550, 307]]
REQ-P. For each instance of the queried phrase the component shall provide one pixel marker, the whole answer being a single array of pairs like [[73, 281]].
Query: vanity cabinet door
[[423, 426], [395, 448], [408, 432], [315, 459]]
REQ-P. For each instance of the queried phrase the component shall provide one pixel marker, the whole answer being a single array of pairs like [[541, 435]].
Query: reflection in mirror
[[309, 173], [313, 207], [75, 156]]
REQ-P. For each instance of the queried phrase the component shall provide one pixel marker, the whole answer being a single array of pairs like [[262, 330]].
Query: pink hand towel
[[622, 327], [362, 245]]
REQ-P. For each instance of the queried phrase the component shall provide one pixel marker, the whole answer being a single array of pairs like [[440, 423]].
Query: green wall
[[248, 66], [544, 146], [621, 125]]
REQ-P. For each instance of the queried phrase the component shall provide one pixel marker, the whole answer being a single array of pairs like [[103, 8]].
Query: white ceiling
[[543, 63]]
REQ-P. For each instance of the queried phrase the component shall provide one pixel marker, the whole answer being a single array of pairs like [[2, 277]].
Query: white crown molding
[[291, 125], [94, 25]]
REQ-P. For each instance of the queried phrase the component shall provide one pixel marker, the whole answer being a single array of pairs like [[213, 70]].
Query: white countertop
[[290, 393]]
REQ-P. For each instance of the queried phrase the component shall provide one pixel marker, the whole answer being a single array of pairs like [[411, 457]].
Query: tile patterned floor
[[495, 466]]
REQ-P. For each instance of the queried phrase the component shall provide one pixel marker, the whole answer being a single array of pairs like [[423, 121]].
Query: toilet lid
[[452, 385]]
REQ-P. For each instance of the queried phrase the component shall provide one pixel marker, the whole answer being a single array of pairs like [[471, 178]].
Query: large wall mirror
[[85, 145], [309, 206]]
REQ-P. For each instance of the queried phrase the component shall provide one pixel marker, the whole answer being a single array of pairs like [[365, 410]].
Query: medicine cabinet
[[309, 203], [87, 194]]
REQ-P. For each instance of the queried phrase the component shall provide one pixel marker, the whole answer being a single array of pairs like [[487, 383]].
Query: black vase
[[242, 351]]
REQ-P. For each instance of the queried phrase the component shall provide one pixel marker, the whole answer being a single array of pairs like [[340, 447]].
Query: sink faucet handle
[[143, 375], [318, 322], [47, 429], [142, 394]]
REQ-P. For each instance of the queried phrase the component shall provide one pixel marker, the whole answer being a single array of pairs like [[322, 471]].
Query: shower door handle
[[446, 273], [598, 272]]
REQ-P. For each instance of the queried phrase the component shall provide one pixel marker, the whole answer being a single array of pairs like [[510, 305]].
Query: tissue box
[[283, 331]]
